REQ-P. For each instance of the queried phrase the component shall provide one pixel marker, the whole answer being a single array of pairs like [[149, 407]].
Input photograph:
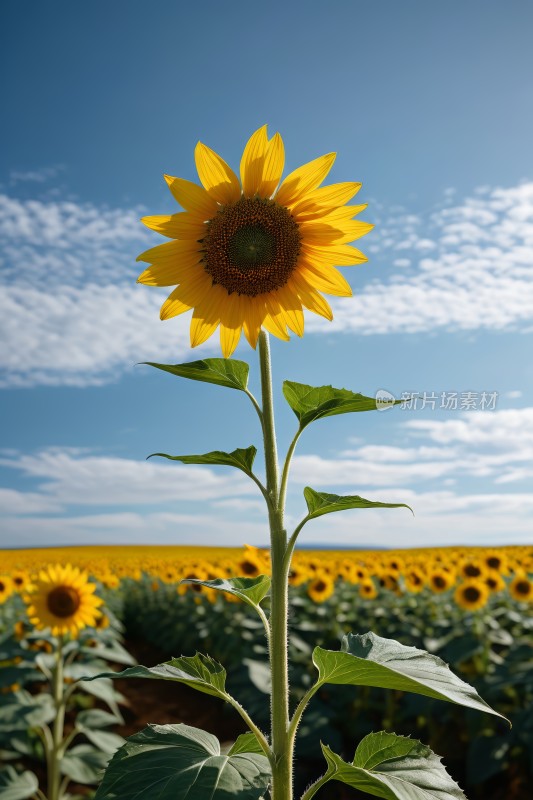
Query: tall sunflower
[[63, 599], [247, 254]]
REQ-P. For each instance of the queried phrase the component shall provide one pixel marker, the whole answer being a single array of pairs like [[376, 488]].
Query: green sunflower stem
[[279, 605], [56, 746]]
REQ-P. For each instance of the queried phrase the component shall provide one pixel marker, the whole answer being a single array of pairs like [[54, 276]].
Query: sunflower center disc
[[63, 601], [251, 247]]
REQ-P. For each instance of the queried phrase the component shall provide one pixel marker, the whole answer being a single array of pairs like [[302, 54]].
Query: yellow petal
[[167, 275], [252, 162], [231, 320], [216, 176], [187, 295], [206, 315], [192, 197], [177, 226], [336, 194], [254, 313], [274, 321], [342, 255], [169, 251], [338, 232], [310, 298], [291, 309], [171, 266], [304, 179], [273, 166], [326, 214], [326, 279]]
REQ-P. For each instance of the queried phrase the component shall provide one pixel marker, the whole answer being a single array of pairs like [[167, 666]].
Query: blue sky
[[429, 105]]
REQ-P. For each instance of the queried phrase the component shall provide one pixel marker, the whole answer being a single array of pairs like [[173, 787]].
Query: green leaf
[[319, 503], [97, 718], [221, 371], [14, 786], [314, 402], [199, 671], [243, 459], [177, 762], [249, 590], [245, 743], [84, 763], [370, 660], [110, 652], [23, 710], [394, 768], [106, 741]]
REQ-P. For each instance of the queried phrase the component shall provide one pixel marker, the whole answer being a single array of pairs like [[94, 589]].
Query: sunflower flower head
[[62, 598], [251, 253]]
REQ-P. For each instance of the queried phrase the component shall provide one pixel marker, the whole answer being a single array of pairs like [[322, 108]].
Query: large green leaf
[[319, 503], [15, 786], [177, 762], [314, 402], [112, 651], [221, 371], [249, 590], [97, 718], [199, 671], [370, 660], [242, 459], [395, 768]]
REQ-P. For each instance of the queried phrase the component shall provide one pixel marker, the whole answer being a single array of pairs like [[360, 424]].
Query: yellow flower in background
[[471, 594], [6, 587], [321, 588], [521, 588], [247, 254], [62, 599]]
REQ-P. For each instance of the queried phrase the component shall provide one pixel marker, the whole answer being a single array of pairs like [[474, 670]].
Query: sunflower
[[247, 254], [367, 589], [6, 587], [414, 580], [321, 588], [471, 594], [440, 580], [63, 599], [521, 588]]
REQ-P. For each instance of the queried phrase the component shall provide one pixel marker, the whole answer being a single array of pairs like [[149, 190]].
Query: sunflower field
[[120, 606]]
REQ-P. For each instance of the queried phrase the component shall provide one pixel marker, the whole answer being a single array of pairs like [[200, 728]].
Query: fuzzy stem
[[54, 756], [281, 743]]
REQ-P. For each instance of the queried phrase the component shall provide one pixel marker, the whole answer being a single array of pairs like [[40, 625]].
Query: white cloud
[[67, 479], [70, 313]]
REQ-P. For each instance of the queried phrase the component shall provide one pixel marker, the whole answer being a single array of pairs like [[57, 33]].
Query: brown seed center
[[63, 601], [522, 587], [251, 247], [471, 594]]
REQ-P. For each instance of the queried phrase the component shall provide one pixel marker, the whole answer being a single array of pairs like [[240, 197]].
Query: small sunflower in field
[[367, 589], [472, 594], [62, 599], [251, 565], [321, 588], [6, 588], [249, 255], [298, 574], [19, 580], [440, 580], [494, 581], [521, 588], [473, 568], [496, 560], [414, 580]]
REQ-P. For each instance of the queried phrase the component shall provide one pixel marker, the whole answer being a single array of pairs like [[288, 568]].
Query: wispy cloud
[[70, 313], [41, 175], [456, 474]]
